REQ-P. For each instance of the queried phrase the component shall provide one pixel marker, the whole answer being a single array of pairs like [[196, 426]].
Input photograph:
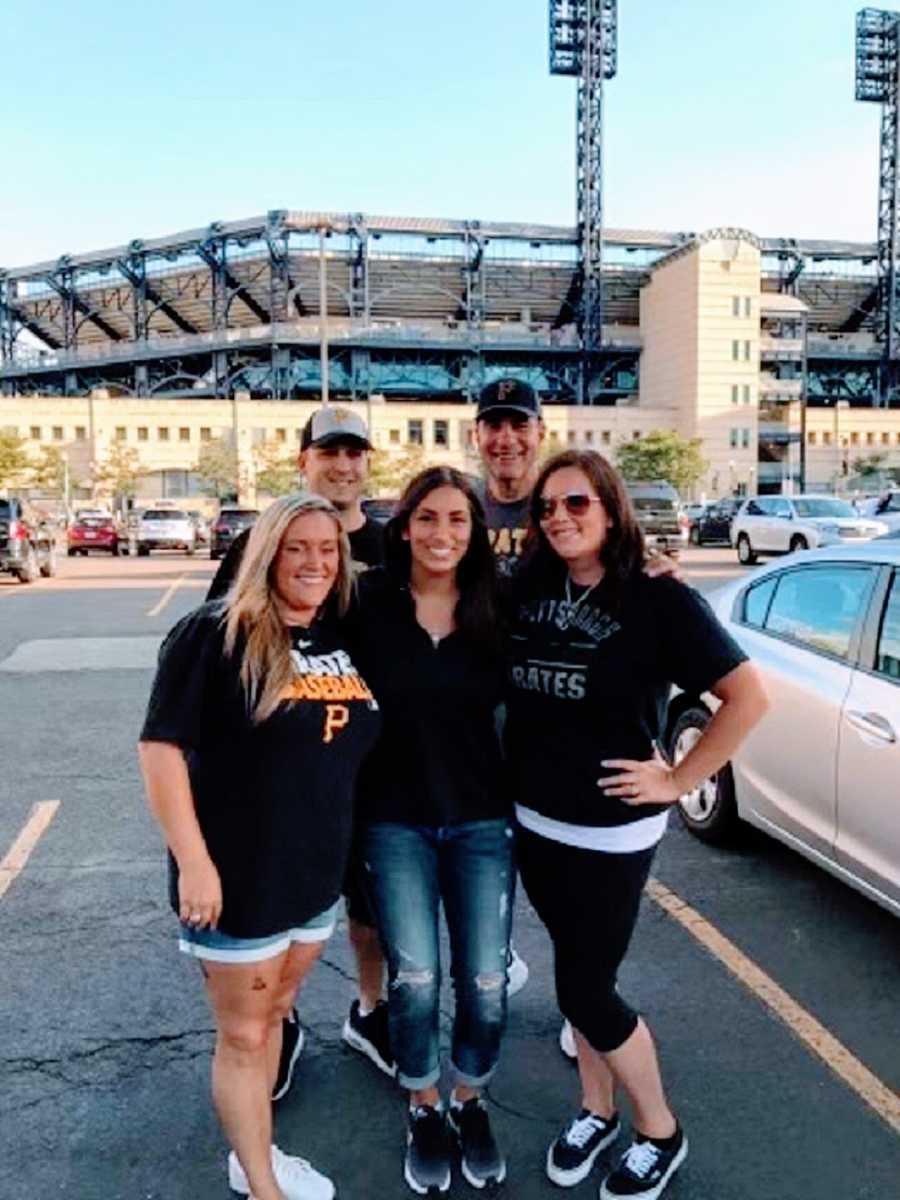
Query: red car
[[93, 533]]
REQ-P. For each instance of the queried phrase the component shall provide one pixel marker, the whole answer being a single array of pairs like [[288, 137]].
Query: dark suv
[[229, 523], [27, 546], [714, 523]]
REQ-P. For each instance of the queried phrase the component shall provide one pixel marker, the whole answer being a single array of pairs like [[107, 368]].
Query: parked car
[[27, 545], [885, 508], [229, 523], [714, 523], [821, 771], [201, 525], [783, 524], [693, 510], [659, 514], [165, 529], [95, 533]]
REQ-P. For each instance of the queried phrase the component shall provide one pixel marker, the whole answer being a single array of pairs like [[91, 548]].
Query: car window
[[887, 661], [781, 508], [824, 507], [820, 606], [164, 514], [756, 601], [754, 508]]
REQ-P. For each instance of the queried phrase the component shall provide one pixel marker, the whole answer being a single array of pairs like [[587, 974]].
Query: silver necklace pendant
[[567, 609]]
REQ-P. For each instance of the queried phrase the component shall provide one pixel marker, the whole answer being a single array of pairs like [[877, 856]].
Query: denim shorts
[[216, 946]]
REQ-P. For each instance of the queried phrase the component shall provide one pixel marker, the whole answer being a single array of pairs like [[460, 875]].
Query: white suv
[[166, 529], [782, 524]]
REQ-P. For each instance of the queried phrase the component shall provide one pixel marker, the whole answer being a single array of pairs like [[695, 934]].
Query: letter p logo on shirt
[[336, 717]]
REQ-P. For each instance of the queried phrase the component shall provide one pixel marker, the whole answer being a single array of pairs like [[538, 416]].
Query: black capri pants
[[589, 901]]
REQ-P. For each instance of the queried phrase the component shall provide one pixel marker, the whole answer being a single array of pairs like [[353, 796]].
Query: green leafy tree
[[49, 472], [276, 470], [13, 458], [872, 464], [217, 466], [120, 470], [390, 471], [662, 454]]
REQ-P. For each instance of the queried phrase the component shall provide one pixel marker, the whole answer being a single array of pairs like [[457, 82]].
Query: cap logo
[[341, 416], [506, 388]]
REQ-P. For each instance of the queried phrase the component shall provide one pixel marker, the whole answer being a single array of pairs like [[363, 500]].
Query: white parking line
[[166, 596], [19, 853], [803, 1024]]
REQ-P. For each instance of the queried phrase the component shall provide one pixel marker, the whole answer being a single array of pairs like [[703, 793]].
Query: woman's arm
[[743, 705], [169, 795]]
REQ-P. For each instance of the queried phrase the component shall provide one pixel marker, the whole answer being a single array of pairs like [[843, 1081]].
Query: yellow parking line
[[166, 596], [20, 851], [811, 1032]]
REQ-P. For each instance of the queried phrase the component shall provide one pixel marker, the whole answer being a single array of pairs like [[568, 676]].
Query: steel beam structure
[[877, 80]]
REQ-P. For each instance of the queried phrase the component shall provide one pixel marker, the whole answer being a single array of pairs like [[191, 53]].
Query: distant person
[[596, 645], [256, 728]]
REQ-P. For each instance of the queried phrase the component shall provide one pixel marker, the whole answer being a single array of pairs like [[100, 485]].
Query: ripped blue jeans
[[411, 870]]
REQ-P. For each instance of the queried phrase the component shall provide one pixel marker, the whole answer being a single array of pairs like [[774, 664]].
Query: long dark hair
[[476, 575], [622, 553]]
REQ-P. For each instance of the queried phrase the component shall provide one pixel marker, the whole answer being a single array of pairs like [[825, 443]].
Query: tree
[[390, 472], [872, 464], [120, 470], [49, 472], [13, 459], [276, 471], [662, 454], [217, 466]]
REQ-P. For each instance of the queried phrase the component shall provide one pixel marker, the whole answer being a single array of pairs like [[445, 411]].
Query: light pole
[[838, 405]]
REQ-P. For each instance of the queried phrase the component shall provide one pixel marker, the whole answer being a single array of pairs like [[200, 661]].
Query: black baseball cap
[[331, 424], [509, 395]]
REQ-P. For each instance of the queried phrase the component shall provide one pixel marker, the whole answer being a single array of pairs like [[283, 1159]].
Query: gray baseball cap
[[333, 423]]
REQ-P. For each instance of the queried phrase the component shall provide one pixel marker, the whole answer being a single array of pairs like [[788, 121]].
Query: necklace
[[568, 609]]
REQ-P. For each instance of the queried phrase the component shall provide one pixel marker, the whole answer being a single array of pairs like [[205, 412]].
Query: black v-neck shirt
[[438, 759]]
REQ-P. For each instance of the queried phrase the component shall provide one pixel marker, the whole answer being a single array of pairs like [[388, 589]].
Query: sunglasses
[[576, 504]]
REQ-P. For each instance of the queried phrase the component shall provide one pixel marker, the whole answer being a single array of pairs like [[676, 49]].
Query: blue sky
[[123, 121]]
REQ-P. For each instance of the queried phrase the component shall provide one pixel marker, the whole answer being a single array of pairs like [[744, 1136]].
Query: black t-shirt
[[274, 800], [366, 547], [507, 524], [586, 685], [438, 759]]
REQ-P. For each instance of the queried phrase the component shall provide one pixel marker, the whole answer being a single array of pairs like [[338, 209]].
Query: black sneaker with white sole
[[572, 1156], [370, 1036], [427, 1165], [292, 1039], [645, 1169], [482, 1163]]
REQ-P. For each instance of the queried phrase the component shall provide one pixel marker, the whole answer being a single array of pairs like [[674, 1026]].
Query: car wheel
[[709, 811], [29, 571], [798, 542], [48, 566], [695, 536], [143, 551], [745, 551], [71, 552]]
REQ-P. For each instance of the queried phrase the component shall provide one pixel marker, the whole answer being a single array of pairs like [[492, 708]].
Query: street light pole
[[838, 405], [323, 317]]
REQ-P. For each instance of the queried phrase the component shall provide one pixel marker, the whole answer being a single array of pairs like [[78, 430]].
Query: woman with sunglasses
[[434, 822], [596, 645]]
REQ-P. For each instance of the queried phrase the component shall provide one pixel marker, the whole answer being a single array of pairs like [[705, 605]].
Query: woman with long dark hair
[[596, 645], [434, 820]]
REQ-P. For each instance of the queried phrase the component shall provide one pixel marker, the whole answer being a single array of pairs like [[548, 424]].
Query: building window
[[57, 433], [572, 436], [735, 350], [746, 393], [746, 351], [35, 433], [870, 439], [605, 437], [162, 433], [414, 435], [121, 433], [394, 437], [184, 433], [854, 439], [733, 438], [589, 437], [885, 439], [80, 433], [735, 306], [734, 393], [636, 435], [554, 436], [826, 437], [811, 439], [143, 433], [442, 433], [280, 435], [206, 433], [745, 438], [748, 306]]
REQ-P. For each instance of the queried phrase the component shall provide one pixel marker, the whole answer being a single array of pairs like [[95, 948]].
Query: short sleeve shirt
[[587, 684], [274, 799], [507, 524]]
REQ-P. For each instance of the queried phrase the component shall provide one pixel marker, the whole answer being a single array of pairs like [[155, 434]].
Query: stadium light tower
[[877, 78], [583, 43]]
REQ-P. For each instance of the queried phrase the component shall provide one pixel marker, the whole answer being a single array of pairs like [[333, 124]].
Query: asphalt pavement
[[105, 1036]]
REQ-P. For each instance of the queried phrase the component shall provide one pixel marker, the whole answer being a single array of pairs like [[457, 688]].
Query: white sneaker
[[567, 1041], [516, 972], [296, 1178]]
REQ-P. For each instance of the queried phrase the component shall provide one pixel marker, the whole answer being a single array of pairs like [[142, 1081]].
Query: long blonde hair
[[252, 609]]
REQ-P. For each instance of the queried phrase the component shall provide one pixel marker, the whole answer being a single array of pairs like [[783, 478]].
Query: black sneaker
[[427, 1165], [572, 1155], [369, 1035], [645, 1169], [482, 1162], [292, 1038]]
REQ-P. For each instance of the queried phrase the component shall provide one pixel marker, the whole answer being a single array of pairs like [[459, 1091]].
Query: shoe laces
[[582, 1129], [641, 1158], [291, 1166]]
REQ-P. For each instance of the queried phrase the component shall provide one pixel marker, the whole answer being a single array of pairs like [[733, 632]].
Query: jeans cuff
[[418, 1083], [474, 1081]]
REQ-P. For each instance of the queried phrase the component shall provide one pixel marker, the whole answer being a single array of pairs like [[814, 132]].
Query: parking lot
[[773, 988]]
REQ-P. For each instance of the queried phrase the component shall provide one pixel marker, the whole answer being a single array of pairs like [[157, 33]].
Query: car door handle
[[873, 725]]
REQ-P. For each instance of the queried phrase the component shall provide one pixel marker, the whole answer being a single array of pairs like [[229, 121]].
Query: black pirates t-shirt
[[507, 523], [274, 800], [587, 684]]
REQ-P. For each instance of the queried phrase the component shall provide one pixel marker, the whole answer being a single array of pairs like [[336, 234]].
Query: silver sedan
[[822, 771]]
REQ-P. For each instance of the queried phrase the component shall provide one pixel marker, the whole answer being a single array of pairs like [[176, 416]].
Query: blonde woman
[[256, 727]]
